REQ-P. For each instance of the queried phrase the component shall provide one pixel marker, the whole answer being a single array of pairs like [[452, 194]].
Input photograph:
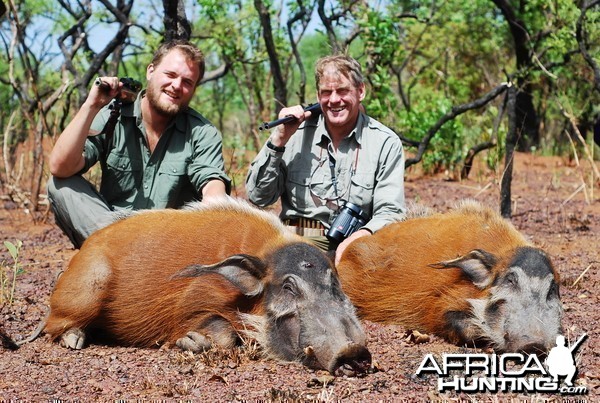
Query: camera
[[349, 219]]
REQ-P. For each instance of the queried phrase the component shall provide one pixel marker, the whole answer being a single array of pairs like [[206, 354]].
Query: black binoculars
[[349, 219], [129, 91]]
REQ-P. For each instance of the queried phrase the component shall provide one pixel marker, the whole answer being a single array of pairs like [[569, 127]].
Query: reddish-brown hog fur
[[142, 257], [395, 276]]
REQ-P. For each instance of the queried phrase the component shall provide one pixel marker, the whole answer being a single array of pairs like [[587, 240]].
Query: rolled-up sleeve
[[388, 196], [94, 147], [207, 158], [266, 177]]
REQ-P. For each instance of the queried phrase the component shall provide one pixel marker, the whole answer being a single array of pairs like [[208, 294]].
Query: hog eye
[[511, 280], [307, 265], [494, 309]]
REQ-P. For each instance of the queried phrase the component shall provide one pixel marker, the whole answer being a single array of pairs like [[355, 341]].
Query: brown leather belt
[[305, 226], [304, 223]]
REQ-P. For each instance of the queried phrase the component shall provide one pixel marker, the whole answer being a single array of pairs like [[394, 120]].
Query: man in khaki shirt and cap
[[317, 163]]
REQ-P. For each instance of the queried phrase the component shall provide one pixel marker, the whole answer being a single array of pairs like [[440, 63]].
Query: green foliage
[[233, 35], [381, 41], [9, 273], [419, 57], [314, 45], [447, 144], [478, 127]]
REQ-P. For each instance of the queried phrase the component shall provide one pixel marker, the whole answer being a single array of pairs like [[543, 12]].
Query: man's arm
[[66, 158], [282, 134], [213, 188], [266, 176], [342, 247], [206, 169], [388, 195]]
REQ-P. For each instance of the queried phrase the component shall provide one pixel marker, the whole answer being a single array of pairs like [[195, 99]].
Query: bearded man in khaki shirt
[[318, 163], [160, 154]]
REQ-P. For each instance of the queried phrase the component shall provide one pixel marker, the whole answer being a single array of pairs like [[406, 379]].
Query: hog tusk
[[309, 351]]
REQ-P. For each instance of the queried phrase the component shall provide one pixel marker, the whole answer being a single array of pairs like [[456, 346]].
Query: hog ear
[[243, 271], [477, 265]]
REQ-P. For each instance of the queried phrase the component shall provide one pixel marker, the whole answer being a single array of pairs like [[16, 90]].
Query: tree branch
[[453, 113]]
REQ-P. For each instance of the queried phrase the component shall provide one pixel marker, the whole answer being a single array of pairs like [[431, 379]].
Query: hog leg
[[214, 330], [74, 338], [77, 299], [194, 341]]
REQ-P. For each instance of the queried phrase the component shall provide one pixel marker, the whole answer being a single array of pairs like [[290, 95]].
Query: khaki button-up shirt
[[187, 156], [368, 168]]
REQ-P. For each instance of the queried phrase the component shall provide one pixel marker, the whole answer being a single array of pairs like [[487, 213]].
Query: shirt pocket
[[170, 182], [363, 186], [121, 179], [298, 189]]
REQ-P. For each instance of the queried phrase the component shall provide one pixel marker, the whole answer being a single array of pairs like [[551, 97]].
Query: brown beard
[[153, 99]]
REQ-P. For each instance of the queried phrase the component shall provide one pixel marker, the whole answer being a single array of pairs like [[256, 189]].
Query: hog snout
[[352, 360]]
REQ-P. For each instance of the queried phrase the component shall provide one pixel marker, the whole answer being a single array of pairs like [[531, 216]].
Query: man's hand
[[104, 90], [66, 158], [282, 133], [340, 249]]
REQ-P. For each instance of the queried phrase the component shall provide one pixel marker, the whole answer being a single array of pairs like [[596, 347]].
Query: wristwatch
[[274, 147]]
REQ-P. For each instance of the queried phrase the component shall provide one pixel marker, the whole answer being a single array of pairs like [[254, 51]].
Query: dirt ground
[[547, 209]]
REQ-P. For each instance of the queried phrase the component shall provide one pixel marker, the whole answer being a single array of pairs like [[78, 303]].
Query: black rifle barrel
[[314, 108]]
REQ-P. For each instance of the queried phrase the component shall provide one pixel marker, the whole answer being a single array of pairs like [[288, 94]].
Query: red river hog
[[466, 275], [207, 275]]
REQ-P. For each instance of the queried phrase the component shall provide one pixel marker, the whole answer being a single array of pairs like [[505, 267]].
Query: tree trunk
[[38, 165], [279, 88], [176, 23], [511, 142], [527, 124]]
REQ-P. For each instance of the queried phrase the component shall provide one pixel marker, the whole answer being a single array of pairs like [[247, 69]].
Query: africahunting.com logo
[[512, 372]]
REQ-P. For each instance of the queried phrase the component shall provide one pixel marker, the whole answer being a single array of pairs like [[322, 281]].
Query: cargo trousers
[[79, 209]]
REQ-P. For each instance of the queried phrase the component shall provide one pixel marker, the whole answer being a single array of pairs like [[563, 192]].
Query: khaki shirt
[[368, 167], [187, 156]]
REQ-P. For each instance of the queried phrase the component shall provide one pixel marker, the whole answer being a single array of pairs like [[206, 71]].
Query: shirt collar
[[322, 138], [181, 121]]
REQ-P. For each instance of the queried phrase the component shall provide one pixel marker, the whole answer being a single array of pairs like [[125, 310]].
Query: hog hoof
[[194, 341], [73, 338]]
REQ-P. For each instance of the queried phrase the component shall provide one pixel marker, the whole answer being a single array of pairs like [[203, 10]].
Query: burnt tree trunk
[[279, 88], [527, 124], [511, 142], [176, 23], [493, 142]]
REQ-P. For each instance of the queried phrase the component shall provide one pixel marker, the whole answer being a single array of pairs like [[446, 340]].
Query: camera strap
[[113, 118], [334, 178]]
